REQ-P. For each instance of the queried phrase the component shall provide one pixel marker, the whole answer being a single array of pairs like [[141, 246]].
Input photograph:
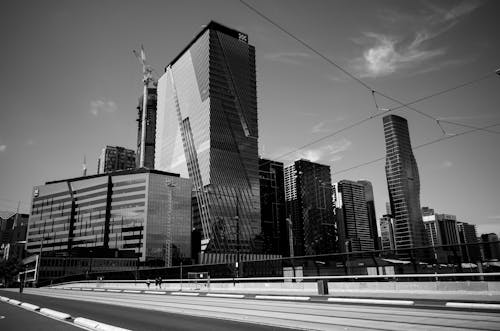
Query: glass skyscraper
[[207, 130], [115, 158], [353, 221], [404, 184], [139, 213], [308, 195]]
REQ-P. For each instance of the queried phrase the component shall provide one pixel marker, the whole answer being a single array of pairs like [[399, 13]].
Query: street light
[[39, 261]]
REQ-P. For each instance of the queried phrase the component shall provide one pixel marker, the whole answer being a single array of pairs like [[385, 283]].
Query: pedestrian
[[159, 281], [156, 282], [148, 282]]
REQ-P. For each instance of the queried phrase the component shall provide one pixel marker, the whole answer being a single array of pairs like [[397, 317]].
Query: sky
[[70, 84]]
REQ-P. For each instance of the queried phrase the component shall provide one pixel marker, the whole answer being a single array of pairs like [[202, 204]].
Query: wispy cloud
[[447, 164], [385, 54], [3, 148], [388, 54], [326, 153], [319, 128], [295, 58], [102, 106]]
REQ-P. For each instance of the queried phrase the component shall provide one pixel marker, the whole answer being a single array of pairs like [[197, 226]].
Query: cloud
[[494, 217], [295, 58], [102, 106], [3, 148], [326, 153], [320, 127], [388, 54], [384, 54], [447, 164], [30, 142]]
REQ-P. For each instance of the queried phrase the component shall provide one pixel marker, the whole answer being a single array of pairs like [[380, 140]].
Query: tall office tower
[[468, 236], [442, 230], [272, 206], [351, 212], [387, 233], [403, 184], [114, 158], [13, 229], [149, 155], [372, 218], [207, 130], [308, 195]]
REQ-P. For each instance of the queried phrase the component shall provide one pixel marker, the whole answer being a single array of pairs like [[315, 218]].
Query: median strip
[[473, 305], [373, 301], [29, 306], [14, 302], [277, 297], [94, 325], [112, 290], [55, 314], [131, 291], [155, 292]]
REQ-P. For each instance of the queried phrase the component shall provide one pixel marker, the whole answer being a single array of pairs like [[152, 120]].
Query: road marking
[[155, 292], [131, 291], [373, 301], [112, 290], [99, 290], [278, 297], [86, 289], [472, 305], [220, 295], [185, 293]]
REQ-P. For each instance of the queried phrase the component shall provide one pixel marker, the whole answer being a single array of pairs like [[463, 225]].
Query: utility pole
[[237, 218]]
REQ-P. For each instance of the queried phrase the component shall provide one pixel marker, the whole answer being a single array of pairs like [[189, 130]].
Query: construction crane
[[147, 79]]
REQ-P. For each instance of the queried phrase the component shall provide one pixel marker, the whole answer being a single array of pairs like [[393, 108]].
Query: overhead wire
[[382, 111]]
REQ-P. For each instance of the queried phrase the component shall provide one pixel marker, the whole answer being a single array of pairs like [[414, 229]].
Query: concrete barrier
[[55, 314], [29, 306], [94, 325]]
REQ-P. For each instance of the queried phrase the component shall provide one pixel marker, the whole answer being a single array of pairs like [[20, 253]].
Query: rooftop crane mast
[[147, 79]]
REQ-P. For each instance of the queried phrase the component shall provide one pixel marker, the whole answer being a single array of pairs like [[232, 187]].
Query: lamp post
[[39, 261]]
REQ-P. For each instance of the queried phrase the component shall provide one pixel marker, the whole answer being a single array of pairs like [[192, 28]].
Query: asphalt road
[[17, 318], [171, 312], [125, 317]]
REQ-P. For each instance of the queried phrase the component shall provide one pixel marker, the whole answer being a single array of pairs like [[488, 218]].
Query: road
[[16, 318], [170, 312]]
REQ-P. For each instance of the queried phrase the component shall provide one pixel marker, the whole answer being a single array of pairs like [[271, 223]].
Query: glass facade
[[207, 130], [403, 184], [308, 195], [353, 222], [115, 158], [141, 213]]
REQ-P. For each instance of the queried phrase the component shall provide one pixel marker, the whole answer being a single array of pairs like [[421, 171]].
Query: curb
[[94, 325], [280, 297], [14, 302], [55, 314], [29, 306]]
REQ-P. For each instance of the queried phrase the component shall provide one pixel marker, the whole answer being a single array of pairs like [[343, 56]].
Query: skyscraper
[[272, 204], [207, 130], [308, 195], [351, 212], [149, 155], [372, 218], [387, 233], [468, 236], [115, 158], [442, 230], [403, 184]]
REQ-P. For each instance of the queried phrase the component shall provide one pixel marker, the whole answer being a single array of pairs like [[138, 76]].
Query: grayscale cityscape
[[250, 165]]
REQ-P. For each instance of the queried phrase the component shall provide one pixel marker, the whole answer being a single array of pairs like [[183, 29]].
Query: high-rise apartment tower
[[404, 184]]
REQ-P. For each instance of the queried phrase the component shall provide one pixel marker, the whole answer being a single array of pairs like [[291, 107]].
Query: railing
[[478, 261]]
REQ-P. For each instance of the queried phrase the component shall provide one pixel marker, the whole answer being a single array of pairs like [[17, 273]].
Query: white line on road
[[373, 301], [278, 297], [185, 293], [472, 305], [155, 292], [221, 295]]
